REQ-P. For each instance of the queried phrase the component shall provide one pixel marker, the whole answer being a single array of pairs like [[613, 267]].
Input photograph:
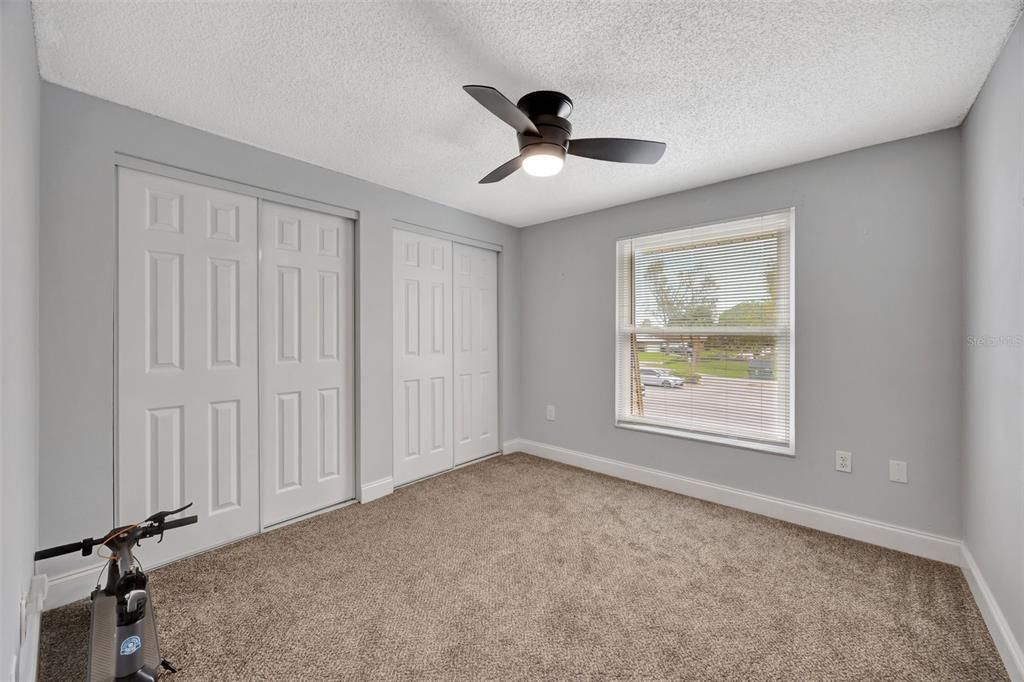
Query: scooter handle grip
[[58, 550], [178, 523]]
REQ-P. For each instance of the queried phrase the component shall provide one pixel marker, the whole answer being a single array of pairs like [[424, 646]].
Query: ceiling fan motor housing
[[549, 112]]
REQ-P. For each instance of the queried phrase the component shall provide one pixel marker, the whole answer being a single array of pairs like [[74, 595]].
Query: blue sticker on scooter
[[131, 645]]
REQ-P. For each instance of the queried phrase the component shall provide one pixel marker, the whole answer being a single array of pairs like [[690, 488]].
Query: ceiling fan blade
[[617, 149], [503, 171], [502, 107]]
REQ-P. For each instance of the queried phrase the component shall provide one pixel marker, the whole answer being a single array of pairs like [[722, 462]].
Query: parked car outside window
[[761, 369], [653, 376]]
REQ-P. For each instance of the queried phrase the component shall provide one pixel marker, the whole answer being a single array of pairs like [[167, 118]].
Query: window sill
[[785, 450]]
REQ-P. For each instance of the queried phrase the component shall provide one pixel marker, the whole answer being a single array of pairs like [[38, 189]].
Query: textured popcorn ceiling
[[373, 89]]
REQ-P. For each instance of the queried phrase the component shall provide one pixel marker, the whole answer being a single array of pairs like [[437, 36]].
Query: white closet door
[[476, 352], [187, 360], [423, 356], [306, 349]]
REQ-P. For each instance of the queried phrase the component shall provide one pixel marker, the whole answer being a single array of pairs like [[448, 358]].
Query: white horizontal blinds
[[704, 325]]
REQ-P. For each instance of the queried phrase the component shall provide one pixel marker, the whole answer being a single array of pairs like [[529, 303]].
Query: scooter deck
[[103, 644]]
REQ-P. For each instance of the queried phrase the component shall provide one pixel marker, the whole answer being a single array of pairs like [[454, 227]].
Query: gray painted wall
[[19, 316], [993, 463], [878, 320], [80, 136]]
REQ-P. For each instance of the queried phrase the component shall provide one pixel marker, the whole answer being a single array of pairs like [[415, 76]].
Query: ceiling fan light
[[544, 163]]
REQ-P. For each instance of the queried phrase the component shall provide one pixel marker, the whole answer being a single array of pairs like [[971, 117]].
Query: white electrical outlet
[[897, 471], [550, 415], [844, 461]]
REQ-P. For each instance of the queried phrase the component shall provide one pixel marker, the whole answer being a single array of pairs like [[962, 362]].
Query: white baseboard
[[78, 584], [375, 490], [72, 586], [512, 445], [28, 651], [899, 538], [1002, 635]]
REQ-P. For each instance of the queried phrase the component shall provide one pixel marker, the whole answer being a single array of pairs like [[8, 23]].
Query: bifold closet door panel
[[307, 353], [423, 356], [475, 341], [187, 413]]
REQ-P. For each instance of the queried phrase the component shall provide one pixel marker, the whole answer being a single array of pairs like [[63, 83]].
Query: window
[[704, 332]]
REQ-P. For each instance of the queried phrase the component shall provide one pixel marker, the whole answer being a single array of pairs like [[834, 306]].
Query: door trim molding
[[185, 175], [447, 236]]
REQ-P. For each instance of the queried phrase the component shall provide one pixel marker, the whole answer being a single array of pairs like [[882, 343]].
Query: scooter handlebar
[[178, 523], [58, 550], [85, 546]]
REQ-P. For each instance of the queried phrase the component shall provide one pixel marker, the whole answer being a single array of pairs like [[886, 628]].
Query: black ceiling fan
[[544, 134]]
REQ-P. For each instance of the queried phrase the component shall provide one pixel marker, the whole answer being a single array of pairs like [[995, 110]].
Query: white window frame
[[622, 418]]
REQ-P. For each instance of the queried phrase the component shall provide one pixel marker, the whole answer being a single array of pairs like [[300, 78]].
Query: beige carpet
[[521, 568]]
